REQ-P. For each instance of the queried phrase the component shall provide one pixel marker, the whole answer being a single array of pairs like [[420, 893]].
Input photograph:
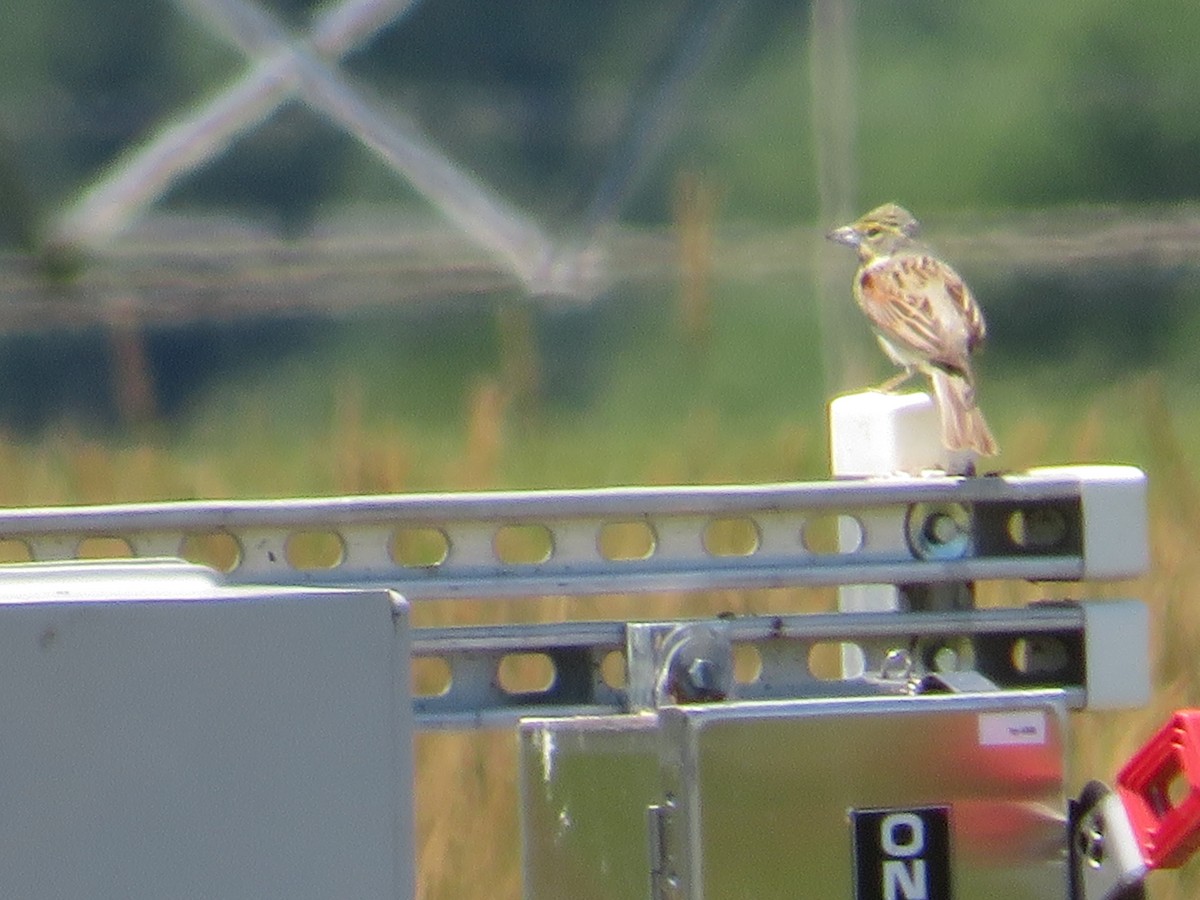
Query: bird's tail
[[963, 425]]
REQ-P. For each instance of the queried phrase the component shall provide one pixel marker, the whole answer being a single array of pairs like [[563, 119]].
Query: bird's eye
[[874, 231]]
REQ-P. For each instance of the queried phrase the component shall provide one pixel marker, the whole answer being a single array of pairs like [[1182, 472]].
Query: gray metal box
[[902, 798], [162, 735]]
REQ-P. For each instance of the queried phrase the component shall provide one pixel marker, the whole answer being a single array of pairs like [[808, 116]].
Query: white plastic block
[[1117, 654], [872, 434], [875, 434]]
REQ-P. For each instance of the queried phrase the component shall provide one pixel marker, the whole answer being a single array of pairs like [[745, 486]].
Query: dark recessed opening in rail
[[1036, 528]]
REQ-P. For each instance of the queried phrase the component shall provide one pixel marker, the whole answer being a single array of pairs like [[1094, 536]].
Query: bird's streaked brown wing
[[901, 296], [964, 301]]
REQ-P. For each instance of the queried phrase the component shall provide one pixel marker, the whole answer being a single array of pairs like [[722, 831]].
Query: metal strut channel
[[1056, 524], [1045, 645]]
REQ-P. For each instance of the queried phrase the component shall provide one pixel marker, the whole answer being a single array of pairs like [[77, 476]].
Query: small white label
[[1003, 729]]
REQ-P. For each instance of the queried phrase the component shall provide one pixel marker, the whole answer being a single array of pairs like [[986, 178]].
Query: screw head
[[704, 679]]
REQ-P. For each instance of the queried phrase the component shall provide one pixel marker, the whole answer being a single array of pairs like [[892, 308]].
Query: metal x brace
[[283, 67]]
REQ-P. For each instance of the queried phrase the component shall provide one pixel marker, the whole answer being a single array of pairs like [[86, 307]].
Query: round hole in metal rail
[[14, 550], [1039, 655], [1038, 528], [526, 673], [612, 670], [420, 546], [431, 676], [825, 659], [735, 536], [832, 533], [619, 541], [523, 545], [104, 547], [747, 663], [218, 550], [314, 549]]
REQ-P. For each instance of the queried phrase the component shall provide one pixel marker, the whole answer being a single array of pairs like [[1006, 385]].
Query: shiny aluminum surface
[[586, 784], [763, 792]]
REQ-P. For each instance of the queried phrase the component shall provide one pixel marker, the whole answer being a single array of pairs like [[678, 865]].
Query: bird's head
[[881, 232]]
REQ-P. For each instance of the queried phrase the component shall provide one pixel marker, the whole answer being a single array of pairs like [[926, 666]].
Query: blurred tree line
[[961, 104]]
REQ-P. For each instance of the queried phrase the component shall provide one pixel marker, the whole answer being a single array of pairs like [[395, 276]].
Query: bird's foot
[[894, 382]]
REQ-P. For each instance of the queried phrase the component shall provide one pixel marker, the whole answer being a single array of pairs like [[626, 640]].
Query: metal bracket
[[690, 662]]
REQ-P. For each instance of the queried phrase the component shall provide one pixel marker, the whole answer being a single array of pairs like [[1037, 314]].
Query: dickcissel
[[924, 317]]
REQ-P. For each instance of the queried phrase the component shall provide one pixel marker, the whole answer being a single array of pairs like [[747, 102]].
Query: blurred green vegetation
[[965, 111]]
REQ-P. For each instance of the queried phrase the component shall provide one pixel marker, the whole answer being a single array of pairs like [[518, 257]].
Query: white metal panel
[[192, 741]]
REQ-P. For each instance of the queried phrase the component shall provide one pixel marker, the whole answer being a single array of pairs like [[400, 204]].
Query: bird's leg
[[896, 380]]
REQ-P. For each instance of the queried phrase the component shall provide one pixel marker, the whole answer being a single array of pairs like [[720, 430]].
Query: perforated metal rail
[[1063, 524], [1039, 646], [1057, 524]]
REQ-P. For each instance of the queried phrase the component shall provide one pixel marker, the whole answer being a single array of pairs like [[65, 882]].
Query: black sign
[[901, 854]]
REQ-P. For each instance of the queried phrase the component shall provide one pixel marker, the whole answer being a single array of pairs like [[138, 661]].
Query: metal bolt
[[696, 665], [941, 528], [704, 679], [897, 664], [939, 531], [1090, 840]]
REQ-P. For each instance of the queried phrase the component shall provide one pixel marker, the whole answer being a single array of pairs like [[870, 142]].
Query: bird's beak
[[847, 235]]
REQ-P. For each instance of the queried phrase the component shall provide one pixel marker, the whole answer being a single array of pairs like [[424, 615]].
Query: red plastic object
[[1160, 789]]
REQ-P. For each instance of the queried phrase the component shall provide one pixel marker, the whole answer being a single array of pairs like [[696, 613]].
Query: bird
[[923, 315]]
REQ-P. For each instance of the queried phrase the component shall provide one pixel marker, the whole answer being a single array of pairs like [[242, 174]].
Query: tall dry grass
[[466, 795]]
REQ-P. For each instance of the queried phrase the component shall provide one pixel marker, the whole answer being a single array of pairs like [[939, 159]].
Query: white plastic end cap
[[1116, 539], [1116, 653]]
